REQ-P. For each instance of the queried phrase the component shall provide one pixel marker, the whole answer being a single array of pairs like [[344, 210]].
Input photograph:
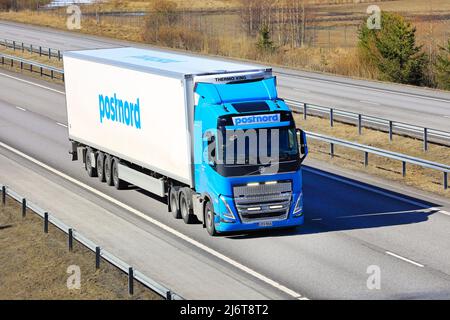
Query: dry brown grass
[[34, 264], [423, 179], [336, 53]]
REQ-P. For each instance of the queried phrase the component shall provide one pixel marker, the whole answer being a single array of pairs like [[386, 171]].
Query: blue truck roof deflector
[[213, 93]]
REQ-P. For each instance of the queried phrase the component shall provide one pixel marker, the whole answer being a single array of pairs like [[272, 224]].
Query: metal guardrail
[[445, 169], [99, 252], [32, 66], [361, 120], [42, 51]]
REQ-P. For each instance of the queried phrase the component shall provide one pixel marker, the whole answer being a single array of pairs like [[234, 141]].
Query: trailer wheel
[[101, 166], [108, 170], [174, 205], [119, 184], [90, 157], [185, 209], [209, 219]]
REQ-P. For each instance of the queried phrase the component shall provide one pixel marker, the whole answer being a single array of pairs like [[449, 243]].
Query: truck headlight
[[298, 209], [228, 213]]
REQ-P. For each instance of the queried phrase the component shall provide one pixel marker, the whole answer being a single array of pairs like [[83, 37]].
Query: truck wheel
[[174, 206], [209, 219], [91, 171], [119, 184], [101, 166], [185, 210], [108, 170]]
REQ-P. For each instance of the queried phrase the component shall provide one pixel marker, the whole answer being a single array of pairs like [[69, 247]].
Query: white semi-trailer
[[154, 120]]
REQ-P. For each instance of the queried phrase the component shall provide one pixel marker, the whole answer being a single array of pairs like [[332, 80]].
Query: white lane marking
[[161, 225], [405, 259], [32, 83], [369, 102], [444, 212], [21, 109], [301, 90], [61, 124]]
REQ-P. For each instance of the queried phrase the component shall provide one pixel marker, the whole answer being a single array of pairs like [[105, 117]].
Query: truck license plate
[[265, 224]]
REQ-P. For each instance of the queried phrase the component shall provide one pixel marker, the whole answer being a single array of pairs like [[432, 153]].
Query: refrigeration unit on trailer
[[211, 137]]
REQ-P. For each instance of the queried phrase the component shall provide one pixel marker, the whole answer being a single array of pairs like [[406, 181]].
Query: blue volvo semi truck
[[209, 137]]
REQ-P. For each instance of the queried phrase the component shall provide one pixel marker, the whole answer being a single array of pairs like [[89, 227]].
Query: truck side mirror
[[302, 144], [212, 155]]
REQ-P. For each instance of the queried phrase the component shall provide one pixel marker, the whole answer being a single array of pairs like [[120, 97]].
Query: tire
[[91, 171], [174, 205], [185, 210], [119, 184], [209, 219], [108, 170], [100, 166]]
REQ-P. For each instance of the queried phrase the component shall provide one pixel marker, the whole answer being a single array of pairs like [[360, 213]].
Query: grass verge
[[34, 264]]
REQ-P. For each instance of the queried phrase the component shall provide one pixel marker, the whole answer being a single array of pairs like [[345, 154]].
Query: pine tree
[[393, 50], [265, 43], [443, 67]]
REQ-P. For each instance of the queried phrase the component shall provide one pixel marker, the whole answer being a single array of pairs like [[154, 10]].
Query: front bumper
[[238, 226]]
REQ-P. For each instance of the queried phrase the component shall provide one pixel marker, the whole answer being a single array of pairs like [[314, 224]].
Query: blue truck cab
[[247, 156]]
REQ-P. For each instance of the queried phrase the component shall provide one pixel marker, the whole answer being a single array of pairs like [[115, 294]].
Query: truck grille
[[263, 201]]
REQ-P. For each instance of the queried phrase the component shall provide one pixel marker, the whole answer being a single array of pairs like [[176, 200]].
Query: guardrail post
[[23, 48], [41, 71], [445, 180], [403, 168], [51, 74], [49, 53], [390, 130], [40, 51], [3, 60], [3, 195], [70, 239], [21, 65], [425, 139], [331, 149], [14, 45], [305, 108], [59, 55], [168, 295], [24, 207], [45, 222], [31, 48], [97, 257], [366, 158], [331, 117], [130, 281], [359, 124]]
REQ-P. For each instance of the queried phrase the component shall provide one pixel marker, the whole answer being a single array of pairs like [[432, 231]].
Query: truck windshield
[[246, 152]]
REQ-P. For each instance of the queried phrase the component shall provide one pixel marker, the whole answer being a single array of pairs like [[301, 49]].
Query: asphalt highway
[[350, 226]]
